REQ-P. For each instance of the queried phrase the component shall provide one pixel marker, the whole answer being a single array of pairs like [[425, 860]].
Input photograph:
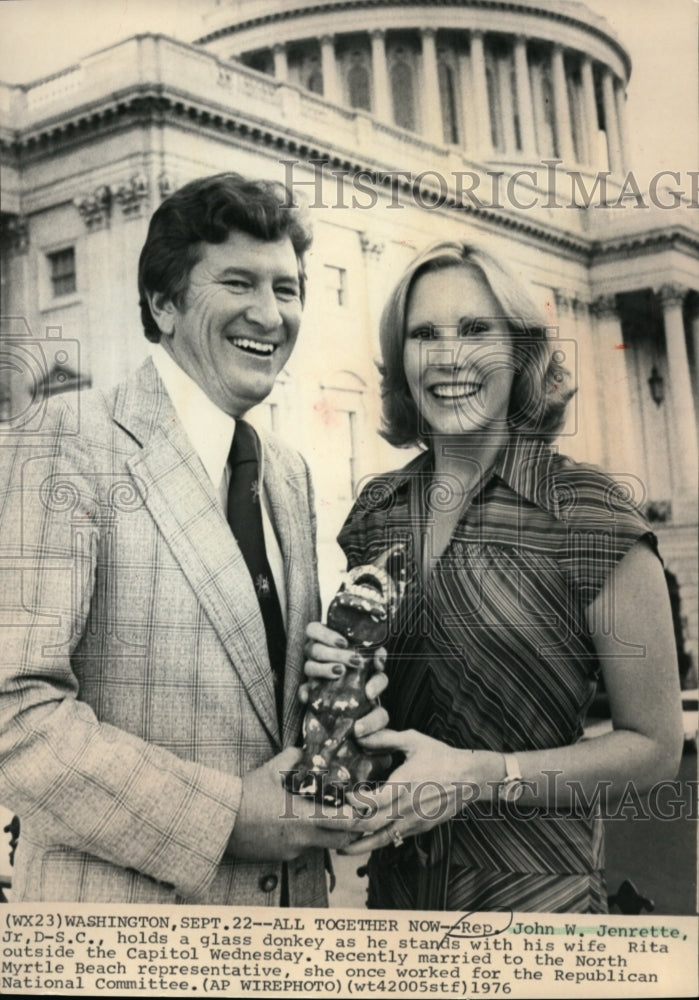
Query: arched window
[[403, 93], [447, 98], [262, 61], [305, 67], [358, 84]]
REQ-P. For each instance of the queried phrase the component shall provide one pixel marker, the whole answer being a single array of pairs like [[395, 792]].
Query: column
[[524, 97], [469, 129], [536, 77], [610, 122], [331, 82], [431, 104], [620, 100], [561, 106], [281, 68], [480, 92], [678, 392], [589, 112], [382, 93], [583, 438], [103, 352], [373, 246], [694, 321], [565, 348], [507, 109], [588, 412], [619, 443], [19, 400]]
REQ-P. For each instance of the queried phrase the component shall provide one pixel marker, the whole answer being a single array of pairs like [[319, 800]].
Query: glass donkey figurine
[[361, 611]]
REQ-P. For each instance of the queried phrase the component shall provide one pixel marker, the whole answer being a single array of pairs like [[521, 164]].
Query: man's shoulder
[[80, 421], [94, 411], [60, 422], [279, 451]]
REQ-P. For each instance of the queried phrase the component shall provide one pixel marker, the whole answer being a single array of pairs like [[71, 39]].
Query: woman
[[529, 577]]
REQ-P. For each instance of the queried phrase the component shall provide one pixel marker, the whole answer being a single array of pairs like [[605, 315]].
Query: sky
[[38, 37]]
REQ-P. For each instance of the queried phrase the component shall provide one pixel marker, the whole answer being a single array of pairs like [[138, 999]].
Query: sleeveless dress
[[493, 653]]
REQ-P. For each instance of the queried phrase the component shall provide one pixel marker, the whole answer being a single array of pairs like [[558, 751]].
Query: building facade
[[399, 123]]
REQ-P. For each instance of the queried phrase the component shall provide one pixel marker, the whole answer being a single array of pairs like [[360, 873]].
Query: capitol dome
[[504, 81]]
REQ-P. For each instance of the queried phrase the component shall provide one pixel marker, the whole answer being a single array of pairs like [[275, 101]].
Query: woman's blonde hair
[[541, 387]]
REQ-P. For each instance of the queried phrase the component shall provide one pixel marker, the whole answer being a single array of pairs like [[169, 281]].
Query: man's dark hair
[[207, 210]]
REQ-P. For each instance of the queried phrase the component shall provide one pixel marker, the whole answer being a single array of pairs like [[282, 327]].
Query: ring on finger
[[396, 837]]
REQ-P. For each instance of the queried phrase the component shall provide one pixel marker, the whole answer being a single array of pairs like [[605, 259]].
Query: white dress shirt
[[210, 431]]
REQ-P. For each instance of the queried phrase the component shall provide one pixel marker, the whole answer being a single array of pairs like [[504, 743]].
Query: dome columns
[[430, 74], [281, 65], [498, 94], [524, 97], [589, 113], [331, 82], [469, 130], [382, 96], [480, 93], [561, 107], [620, 99], [611, 124]]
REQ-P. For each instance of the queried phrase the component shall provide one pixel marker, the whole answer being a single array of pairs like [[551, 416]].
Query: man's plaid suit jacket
[[135, 686]]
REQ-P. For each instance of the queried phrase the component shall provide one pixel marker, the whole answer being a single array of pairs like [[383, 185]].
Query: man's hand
[[274, 825]]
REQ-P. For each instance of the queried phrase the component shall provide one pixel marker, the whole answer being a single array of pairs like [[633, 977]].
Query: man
[[142, 730]]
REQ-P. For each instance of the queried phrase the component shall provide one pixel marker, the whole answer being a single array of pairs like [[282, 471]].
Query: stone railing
[[55, 87]]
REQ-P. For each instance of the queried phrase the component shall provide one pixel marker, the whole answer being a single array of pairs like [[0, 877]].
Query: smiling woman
[[453, 299], [459, 371], [518, 560]]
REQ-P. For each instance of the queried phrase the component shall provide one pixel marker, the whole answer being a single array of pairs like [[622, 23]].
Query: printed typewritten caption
[[162, 951]]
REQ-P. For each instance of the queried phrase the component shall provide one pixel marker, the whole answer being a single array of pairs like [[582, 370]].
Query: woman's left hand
[[431, 786]]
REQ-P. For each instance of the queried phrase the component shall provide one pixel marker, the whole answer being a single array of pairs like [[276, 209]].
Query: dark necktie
[[245, 519]]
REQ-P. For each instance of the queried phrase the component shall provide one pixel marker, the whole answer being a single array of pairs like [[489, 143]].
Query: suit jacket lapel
[[288, 495], [182, 502]]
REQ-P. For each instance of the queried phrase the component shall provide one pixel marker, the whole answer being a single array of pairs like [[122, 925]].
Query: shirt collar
[[208, 428], [524, 464]]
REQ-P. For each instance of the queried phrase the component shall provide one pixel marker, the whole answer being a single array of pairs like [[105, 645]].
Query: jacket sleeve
[[86, 784]]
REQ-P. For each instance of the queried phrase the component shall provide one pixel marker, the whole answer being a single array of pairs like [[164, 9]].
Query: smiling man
[[149, 695]]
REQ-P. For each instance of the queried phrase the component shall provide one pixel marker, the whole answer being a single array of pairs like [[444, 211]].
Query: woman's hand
[[328, 656], [639, 664], [431, 786]]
